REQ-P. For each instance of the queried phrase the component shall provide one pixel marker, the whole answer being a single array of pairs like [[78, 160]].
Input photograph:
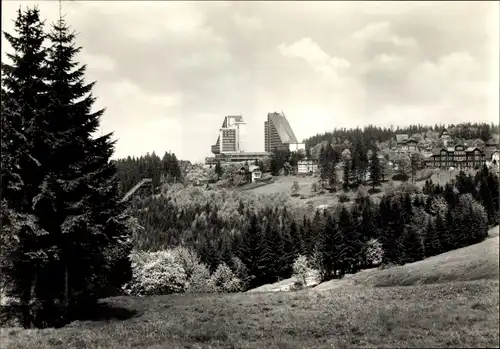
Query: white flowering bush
[[200, 280], [374, 252], [439, 206], [187, 258], [300, 270], [224, 280], [156, 273]]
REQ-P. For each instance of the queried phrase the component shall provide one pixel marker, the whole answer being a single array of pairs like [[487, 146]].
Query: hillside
[[479, 261], [476, 262], [458, 314]]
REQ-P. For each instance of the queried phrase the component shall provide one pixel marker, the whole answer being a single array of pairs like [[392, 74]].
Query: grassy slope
[[448, 315], [476, 262], [283, 184], [470, 263]]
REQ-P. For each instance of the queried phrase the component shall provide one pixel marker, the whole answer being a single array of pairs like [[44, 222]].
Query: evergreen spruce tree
[[345, 178], [348, 249], [323, 166], [288, 257], [432, 241], [250, 251], [355, 239], [391, 236], [92, 228], [268, 266], [218, 170], [329, 249], [26, 146], [296, 240], [375, 169], [413, 247]]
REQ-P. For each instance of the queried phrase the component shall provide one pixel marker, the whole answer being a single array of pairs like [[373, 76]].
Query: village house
[[401, 139], [307, 166], [445, 137], [458, 157], [404, 143], [251, 172]]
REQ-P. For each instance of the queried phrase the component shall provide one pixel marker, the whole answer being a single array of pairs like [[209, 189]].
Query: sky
[[168, 72]]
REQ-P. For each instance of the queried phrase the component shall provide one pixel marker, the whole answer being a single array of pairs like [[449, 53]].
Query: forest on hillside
[[264, 235], [371, 134], [131, 170]]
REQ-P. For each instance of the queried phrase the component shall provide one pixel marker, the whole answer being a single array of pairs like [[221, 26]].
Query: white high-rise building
[[229, 140]]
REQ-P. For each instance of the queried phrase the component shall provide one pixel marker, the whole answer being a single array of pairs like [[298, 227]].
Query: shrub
[[224, 280], [241, 271], [300, 270], [361, 194], [156, 273], [200, 280], [400, 177], [374, 252], [187, 258], [295, 188], [344, 197], [409, 188], [314, 188]]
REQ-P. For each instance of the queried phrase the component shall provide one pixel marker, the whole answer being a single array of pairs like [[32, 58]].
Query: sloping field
[[476, 262], [286, 284], [442, 315]]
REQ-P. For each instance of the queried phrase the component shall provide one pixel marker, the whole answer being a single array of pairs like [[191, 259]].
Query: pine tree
[[413, 246], [26, 147], [345, 178], [218, 170], [375, 169], [250, 250], [268, 264], [348, 251], [445, 240], [296, 240], [432, 241], [91, 232], [329, 249], [392, 235], [323, 166]]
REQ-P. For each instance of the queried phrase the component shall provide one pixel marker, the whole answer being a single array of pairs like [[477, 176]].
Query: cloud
[[309, 51], [382, 32], [248, 23]]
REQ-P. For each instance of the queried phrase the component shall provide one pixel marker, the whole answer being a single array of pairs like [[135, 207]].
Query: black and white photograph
[[249, 174]]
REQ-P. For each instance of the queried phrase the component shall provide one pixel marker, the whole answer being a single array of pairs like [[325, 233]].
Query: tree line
[[371, 134], [266, 236], [64, 232], [132, 170]]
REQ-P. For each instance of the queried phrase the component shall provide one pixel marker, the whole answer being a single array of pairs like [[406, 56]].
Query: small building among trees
[[458, 156], [307, 166]]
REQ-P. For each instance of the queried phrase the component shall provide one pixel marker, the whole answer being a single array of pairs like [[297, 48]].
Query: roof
[[252, 168], [437, 151], [443, 132], [492, 141], [411, 139], [488, 153], [283, 128], [184, 165], [401, 137]]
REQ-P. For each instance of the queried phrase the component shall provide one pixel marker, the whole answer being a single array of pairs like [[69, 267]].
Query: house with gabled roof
[[458, 156]]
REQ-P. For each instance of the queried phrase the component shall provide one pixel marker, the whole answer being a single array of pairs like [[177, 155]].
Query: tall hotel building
[[278, 133], [229, 140]]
